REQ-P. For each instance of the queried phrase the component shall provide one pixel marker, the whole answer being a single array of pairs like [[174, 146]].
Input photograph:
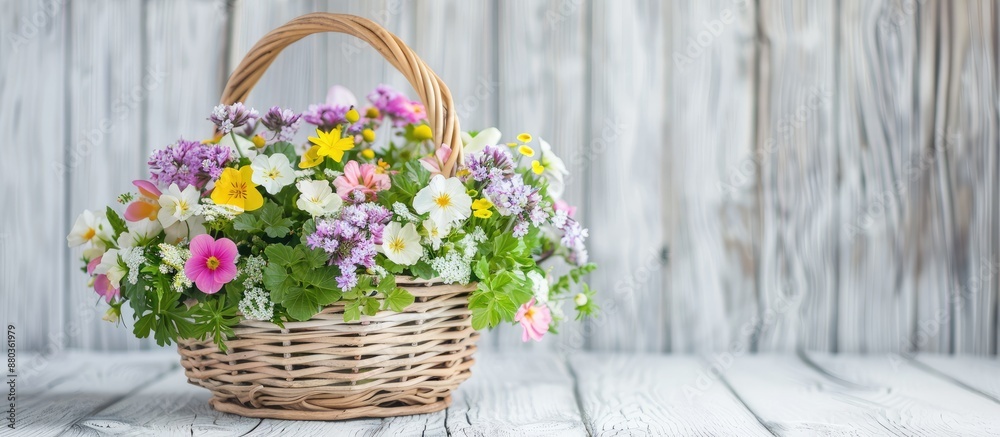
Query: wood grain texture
[[850, 395], [107, 99], [90, 382], [658, 395], [798, 176], [624, 154], [33, 100], [516, 394], [977, 374], [711, 168]]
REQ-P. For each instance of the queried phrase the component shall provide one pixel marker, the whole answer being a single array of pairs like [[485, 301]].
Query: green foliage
[[497, 297], [268, 219], [364, 298], [405, 184], [283, 148], [117, 223], [299, 279], [216, 319]]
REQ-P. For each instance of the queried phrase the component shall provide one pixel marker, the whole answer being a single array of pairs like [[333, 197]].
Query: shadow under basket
[[389, 364]]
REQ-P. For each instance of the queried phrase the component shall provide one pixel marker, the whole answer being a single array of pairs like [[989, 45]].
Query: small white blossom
[[331, 173], [134, 258], [256, 304], [452, 268], [402, 212]]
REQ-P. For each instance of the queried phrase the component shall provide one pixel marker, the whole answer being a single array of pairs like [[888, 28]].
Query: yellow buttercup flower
[[526, 151], [311, 158], [524, 137], [483, 203], [382, 166], [422, 132], [213, 140], [512, 145], [372, 112], [483, 213], [462, 172], [331, 144], [258, 141], [368, 153], [352, 116], [368, 135], [537, 167], [236, 188]]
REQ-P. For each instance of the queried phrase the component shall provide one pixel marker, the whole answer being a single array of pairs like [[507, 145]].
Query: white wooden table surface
[[78, 393]]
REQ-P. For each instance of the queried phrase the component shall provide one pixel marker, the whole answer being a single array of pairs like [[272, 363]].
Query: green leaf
[[284, 148], [246, 222], [352, 311], [423, 270], [282, 255], [276, 279], [117, 223], [371, 306], [481, 268], [324, 279], [398, 299], [315, 258], [301, 304]]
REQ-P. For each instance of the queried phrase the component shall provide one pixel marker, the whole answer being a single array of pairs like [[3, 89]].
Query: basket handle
[[429, 87]]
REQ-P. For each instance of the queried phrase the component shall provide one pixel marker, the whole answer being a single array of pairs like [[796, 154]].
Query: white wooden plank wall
[[823, 176]]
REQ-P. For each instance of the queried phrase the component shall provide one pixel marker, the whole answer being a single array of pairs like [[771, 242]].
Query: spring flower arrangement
[[250, 225]]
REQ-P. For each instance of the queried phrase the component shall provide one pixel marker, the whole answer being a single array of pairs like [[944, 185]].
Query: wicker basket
[[389, 364]]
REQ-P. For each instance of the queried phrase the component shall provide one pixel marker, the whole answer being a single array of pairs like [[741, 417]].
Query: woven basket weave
[[389, 364]]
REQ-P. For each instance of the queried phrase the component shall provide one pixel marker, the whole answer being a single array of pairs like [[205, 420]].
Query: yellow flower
[[213, 140], [372, 112], [524, 137], [463, 172], [311, 158], [382, 166], [368, 153], [526, 151], [483, 203], [368, 135], [537, 167], [512, 145], [258, 141], [483, 213], [352, 116], [331, 144], [236, 188], [422, 132]]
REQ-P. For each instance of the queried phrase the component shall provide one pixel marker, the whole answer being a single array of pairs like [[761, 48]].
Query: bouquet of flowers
[[250, 225]]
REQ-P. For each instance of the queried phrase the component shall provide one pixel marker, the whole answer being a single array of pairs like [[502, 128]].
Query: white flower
[[256, 304], [580, 299], [489, 136], [272, 172], [89, 228], [452, 268], [112, 267], [554, 171], [446, 200], [139, 232], [436, 233], [185, 230], [401, 244], [539, 286], [177, 205], [244, 145], [317, 198]]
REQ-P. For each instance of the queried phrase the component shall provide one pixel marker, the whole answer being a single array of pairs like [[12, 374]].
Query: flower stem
[[236, 145]]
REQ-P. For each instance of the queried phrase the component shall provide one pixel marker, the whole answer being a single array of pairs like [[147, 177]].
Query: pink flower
[[364, 177], [212, 263], [535, 320], [147, 205], [562, 205], [434, 162], [101, 283]]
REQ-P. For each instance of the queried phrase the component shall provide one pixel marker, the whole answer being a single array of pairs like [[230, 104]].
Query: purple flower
[[493, 163], [233, 116], [397, 106], [188, 163], [326, 116], [573, 237], [351, 239], [283, 123]]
